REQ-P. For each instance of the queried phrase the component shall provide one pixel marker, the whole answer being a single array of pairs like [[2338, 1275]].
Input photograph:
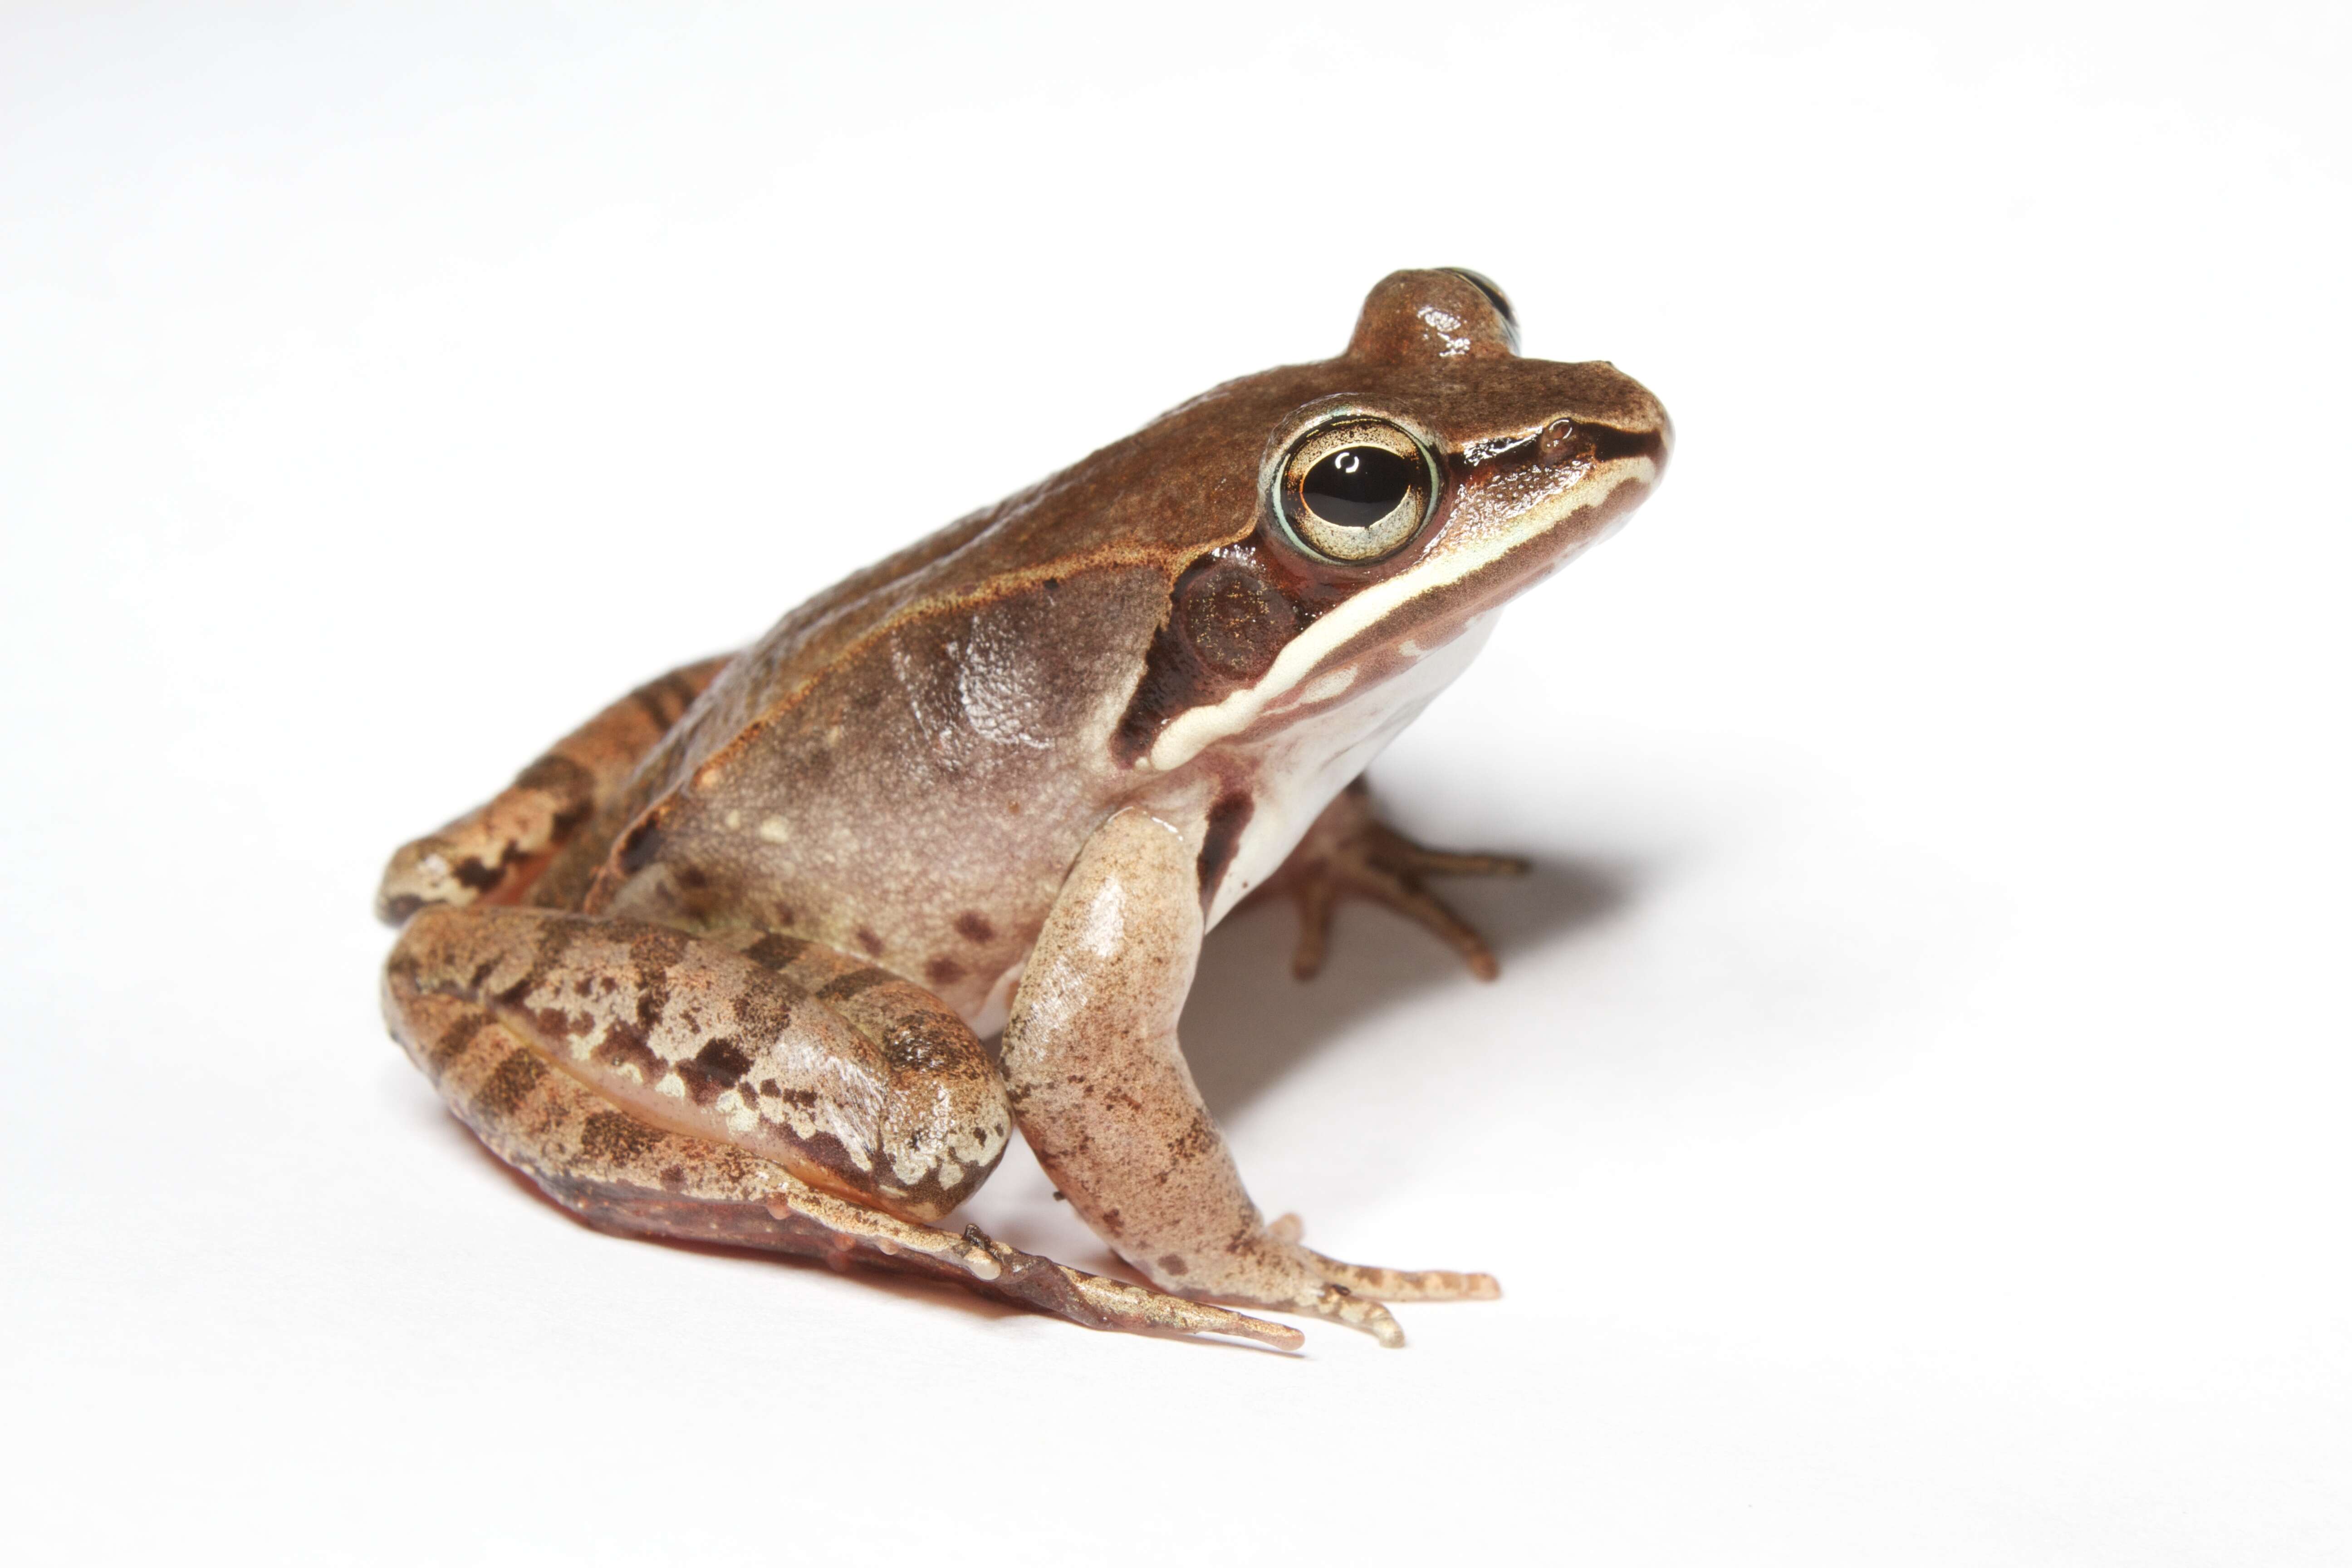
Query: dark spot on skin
[[453, 1044], [1199, 1140], [672, 1178], [924, 1047], [623, 1044], [471, 873], [1170, 1263], [723, 1060], [871, 941], [943, 972], [554, 1024], [713, 1070], [842, 987], [397, 909], [618, 1140], [1227, 817], [972, 926], [771, 1090], [641, 846], [654, 951], [510, 1083], [775, 952], [693, 877]]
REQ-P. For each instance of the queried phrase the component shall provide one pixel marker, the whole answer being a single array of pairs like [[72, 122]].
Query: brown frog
[[723, 963]]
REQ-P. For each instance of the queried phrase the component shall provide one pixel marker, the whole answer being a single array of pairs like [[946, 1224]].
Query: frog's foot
[[1350, 853], [1389, 1284], [622, 1173], [1276, 1271]]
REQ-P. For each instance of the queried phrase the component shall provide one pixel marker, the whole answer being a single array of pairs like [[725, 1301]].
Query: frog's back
[[907, 765]]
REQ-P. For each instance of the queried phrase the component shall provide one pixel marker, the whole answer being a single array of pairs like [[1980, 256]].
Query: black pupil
[[1357, 486]]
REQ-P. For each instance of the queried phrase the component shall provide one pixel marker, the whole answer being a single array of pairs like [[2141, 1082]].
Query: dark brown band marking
[[1223, 840], [842, 987], [776, 950], [510, 1083]]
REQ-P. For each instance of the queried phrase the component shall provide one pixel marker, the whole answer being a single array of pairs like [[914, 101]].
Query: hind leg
[[493, 853], [589, 1055]]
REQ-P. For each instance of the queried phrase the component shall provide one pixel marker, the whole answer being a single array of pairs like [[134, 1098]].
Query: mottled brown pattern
[[623, 1046], [715, 1067], [515, 1077], [614, 1139]]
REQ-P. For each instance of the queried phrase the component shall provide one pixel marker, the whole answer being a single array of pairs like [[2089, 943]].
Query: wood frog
[[732, 960]]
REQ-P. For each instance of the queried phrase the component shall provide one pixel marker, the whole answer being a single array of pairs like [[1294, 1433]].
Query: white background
[[1911, 1123]]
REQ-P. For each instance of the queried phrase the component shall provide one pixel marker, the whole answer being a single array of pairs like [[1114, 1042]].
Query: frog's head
[[1404, 491]]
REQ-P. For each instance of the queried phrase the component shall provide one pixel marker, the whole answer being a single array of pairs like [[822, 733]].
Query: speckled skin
[[766, 907]]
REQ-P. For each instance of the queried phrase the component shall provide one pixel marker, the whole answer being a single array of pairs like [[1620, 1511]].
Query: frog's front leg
[[758, 1091], [493, 853], [1349, 853], [1101, 1091]]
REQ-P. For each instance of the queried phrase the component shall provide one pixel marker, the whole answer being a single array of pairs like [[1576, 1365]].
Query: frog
[[780, 951]]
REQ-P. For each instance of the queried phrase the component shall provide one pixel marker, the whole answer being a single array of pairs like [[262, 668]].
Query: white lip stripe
[[1192, 733]]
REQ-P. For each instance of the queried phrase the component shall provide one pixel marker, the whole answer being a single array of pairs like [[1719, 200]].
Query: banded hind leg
[[494, 853], [758, 1091]]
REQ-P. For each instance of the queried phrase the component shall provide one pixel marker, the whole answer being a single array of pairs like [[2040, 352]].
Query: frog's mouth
[[1506, 531]]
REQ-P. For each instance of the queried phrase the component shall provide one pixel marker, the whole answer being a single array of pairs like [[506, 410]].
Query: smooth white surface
[[1910, 1126]]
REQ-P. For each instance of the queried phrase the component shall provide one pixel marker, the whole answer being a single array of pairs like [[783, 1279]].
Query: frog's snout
[[1640, 431]]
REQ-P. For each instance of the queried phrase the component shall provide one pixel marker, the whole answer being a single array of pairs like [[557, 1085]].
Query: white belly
[[1311, 759]]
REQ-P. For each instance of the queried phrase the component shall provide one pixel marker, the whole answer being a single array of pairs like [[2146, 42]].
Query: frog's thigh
[[495, 851], [489, 1035], [1101, 1091], [845, 1075]]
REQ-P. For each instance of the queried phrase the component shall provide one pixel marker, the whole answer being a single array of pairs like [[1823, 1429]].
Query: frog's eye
[[1357, 489]]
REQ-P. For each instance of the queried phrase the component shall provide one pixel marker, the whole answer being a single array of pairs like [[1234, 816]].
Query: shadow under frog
[[1250, 1020]]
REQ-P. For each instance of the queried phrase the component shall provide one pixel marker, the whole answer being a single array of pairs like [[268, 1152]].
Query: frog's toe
[[1103, 1303], [1404, 1284], [1351, 854], [1279, 1273], [1384, 1284], [1342, 1305]]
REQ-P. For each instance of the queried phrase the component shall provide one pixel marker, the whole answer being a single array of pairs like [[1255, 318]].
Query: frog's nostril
[[1562, 443]]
